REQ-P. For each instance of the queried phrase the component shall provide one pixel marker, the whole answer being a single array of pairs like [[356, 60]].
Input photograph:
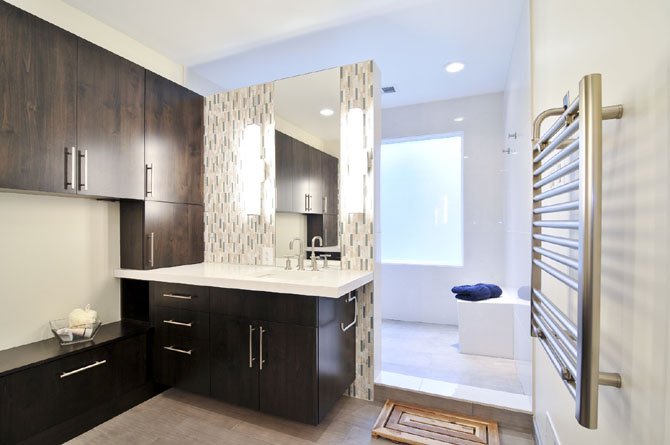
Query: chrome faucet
[[313, 257], [301, 253]]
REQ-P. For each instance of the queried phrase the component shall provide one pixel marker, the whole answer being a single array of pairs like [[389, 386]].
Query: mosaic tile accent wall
[[231, 236], [357, 90]]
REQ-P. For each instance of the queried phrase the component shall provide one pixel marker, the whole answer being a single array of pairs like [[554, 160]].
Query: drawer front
[[180, 322], [180, 296], [47, 395], [182, 362], [267, 306]]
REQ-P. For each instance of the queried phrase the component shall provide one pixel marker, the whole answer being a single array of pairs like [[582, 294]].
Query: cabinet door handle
[[178, 297], [251, 346], [83, 169], [77, 371], [179, 323], [149, 180], [306, 203], [181, 351], [325, 204], [353, 323], [69, 179], [151, 249], [260, 363]]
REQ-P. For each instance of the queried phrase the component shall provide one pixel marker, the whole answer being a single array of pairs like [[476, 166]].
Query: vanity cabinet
[[306, 178], [174, 136], [110, 124], [161, 234], [52, 393], [38, 84]]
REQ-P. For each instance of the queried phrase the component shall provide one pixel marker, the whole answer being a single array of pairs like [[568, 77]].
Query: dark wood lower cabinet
[[74, 387], [182, 362], [288, 376], [234, 360]]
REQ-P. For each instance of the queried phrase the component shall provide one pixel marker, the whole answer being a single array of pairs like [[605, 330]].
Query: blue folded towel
[[477, 292]]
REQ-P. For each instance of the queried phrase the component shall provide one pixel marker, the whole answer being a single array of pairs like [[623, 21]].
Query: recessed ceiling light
[[454, 67], [326, 112], [459, 119]]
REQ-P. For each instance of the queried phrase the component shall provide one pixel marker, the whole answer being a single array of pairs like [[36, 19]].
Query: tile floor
[[177, 417], [430, 351]]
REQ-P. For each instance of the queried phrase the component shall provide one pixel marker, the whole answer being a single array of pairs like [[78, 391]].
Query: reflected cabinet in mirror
[[307, 150]]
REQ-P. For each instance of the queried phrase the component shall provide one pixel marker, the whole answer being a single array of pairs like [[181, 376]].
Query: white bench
[[498, 327]]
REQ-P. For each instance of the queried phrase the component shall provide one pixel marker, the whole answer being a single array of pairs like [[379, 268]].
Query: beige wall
[[58, 253], [628, 42]]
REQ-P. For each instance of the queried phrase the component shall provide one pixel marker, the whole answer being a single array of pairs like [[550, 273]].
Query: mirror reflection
[[307, 151]]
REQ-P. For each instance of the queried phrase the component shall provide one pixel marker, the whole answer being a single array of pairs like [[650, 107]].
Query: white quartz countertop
[[330, 283]]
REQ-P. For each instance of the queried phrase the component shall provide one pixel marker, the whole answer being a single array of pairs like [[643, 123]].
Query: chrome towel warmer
[[575, 140]]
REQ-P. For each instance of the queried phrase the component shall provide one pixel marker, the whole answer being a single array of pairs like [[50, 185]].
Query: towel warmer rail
[[575, 140]]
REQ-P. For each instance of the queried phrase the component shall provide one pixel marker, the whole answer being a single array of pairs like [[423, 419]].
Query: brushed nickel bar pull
[[179, 323], [251, 346], [260, 353], [83, 156], [180, 351], [178, 297], [69, 179], [325, 204], [77, 371], [149, 181], [349, 299], [306, 203], [151, 249]]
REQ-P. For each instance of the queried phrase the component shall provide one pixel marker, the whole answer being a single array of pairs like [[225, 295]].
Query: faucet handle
[[288, 262], [325, 257]]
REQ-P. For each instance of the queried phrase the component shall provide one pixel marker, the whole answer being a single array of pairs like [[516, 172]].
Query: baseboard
[[75, 426]]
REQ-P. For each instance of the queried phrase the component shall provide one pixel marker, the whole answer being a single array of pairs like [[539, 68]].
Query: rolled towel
[[496, 291], [476, 292], [471, 297]]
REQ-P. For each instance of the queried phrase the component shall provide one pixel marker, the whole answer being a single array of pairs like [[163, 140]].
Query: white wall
[[58, 253], [423, 293], [629, 43]]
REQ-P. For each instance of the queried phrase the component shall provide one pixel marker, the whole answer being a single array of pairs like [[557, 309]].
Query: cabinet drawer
[[180, 322], [47, 395], [180, 296], [283, 308], [182, 363]]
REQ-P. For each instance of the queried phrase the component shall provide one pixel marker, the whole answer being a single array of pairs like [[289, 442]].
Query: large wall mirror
[[307, 152]]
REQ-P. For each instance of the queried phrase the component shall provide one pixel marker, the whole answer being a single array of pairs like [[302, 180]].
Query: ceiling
[[298, 100], [231, 44]]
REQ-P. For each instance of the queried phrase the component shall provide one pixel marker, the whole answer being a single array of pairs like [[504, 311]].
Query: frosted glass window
[[422, 201]]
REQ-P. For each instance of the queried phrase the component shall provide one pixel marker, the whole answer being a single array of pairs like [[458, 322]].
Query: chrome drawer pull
[[251, 354], [178, 323], [262, 331], [178, 297], [353, 323], [77, 371], [181, 351]]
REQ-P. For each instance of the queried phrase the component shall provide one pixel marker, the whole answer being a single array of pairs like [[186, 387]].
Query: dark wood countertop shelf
[[41, 352]]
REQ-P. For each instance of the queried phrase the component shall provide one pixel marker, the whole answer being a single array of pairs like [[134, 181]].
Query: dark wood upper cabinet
[[110, 124], [161, 234], [174, 135], [38, 74], [315, 174], [301, 176], [330, 190], [285, 171]]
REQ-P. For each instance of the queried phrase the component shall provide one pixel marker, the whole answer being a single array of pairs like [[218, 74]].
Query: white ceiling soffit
[[228, 45], [299, 100]]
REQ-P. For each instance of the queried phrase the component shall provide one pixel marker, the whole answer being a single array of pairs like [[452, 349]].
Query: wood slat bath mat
[[414, 425]]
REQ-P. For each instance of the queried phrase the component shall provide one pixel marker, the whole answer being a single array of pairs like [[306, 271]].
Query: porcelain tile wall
[[357, 90], [231, 236]]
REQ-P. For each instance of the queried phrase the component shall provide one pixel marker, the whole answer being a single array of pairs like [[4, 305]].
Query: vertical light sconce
[[356, 162], [252, 169]]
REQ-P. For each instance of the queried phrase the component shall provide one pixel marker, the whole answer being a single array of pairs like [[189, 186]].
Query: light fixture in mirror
[[355, 161], [252, 169]]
